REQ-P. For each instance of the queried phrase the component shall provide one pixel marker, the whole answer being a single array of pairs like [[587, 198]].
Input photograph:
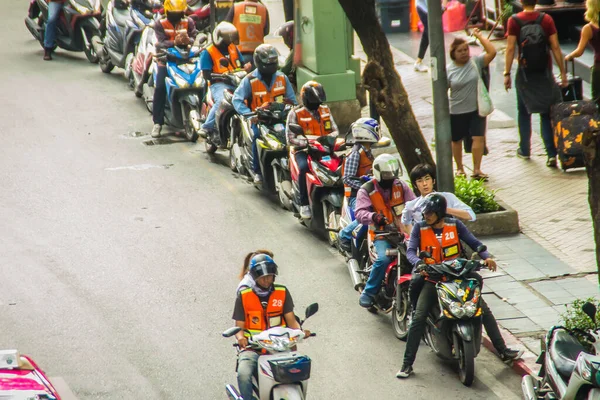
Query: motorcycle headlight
[[199, 82], [182, 83], [278, 343], [456, 309], [470, 309], [584, 367], [323, 176]]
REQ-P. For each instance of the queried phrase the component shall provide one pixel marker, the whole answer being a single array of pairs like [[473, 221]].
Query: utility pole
[[441, 108]]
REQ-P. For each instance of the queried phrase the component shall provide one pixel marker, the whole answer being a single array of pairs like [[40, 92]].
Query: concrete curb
[[524, 366]]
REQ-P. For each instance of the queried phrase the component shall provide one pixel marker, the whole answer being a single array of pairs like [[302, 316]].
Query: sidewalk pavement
[[552, 262]]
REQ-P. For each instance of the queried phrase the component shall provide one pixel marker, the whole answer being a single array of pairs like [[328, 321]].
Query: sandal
[[483, 177], [460, 174]]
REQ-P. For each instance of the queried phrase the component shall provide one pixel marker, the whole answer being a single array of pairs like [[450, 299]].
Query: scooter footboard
[[288, 392]]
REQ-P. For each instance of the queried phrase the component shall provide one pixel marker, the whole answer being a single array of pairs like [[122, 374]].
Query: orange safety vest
[[310, 125], [171, 31], [261, 95], [393, 208], [216, 55], [365, 164], [448, 249], [259, 318], [250, 18]]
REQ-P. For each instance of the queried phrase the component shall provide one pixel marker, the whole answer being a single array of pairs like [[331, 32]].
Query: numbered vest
[[365, 164], [259, 318], [447, 249], [172, 31], [250, 19], [391, 209], [261, 95], [216, 55], [310, 125]]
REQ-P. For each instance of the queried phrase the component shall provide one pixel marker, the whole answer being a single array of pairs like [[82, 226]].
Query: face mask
[[312, 106], [386, 184], [261, 291], [174, 18]]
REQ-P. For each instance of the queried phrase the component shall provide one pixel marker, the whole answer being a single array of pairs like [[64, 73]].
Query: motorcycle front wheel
[[401, 312], [466, 362], [191, 133]]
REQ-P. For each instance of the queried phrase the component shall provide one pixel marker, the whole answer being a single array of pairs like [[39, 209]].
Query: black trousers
[[302, 160], [160, 96], [426, 301]]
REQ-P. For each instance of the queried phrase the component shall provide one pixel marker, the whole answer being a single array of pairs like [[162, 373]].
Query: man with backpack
[[534, 33]]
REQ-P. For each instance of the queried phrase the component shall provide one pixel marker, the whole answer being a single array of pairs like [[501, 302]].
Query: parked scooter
[[124, 23], [142, 65], [570, 364], [323, 180], [283, 372], [454, 331], [77, 29], [185, 89], [23, 379]]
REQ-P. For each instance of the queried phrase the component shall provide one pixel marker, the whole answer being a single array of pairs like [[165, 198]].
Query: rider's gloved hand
[[380, 219]]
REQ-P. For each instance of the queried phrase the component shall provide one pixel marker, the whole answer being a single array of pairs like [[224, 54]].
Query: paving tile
[[520, 325]]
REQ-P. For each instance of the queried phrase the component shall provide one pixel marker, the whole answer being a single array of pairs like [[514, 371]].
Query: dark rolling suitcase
[[574, 91]]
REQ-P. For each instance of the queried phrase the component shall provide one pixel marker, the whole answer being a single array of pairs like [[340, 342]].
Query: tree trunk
[[381, 78], [591, 142]]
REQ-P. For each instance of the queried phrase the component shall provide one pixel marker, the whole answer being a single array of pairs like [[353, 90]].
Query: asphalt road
[[119, 261]]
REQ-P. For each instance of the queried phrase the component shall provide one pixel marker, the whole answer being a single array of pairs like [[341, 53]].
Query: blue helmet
[[262, 265], [365, 130]]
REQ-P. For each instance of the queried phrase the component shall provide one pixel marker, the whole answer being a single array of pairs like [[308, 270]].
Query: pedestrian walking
[[534, 34], [464, 74], [422, 12], [591, 34]]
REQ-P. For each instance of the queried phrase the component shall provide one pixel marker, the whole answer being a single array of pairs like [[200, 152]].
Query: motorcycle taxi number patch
[[279, 99], [249, 16], [328, 125], [450, 251]]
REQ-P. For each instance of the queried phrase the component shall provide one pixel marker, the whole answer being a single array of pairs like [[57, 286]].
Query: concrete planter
[[502, 222]]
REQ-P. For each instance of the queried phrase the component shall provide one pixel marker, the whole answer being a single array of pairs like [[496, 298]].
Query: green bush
[[574, 317], [474, 193]]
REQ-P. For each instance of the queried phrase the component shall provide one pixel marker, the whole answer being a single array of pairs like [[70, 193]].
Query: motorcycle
[[78, 26], [124, 24], [23, 379], [453, 329], [201, 16], [283, 372], [221, 136], [185, 89], [323, 180], [141, 68], [570, 363]]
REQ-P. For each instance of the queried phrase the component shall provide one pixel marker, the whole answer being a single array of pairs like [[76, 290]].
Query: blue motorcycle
[[185, 88]]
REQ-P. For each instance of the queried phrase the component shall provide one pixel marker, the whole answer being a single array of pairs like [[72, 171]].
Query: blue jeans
[[216, 89], [255, 161], [524, 119], [379, 267], [346, 233], [159, 100], [247, 367], [54, 9]]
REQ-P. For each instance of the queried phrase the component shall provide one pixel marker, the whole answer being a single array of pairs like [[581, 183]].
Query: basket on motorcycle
[[291, 370]]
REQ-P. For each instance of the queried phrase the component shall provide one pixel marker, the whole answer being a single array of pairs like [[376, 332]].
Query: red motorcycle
[[323, 180]]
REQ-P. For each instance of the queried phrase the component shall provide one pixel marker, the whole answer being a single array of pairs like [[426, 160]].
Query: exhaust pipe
[[528, 388], [354, 275]]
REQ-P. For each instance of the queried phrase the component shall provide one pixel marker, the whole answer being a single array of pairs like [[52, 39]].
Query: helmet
[[266, 59], [365, 130], [175, 6], [225, 33], [262, 265], [437, 204], [286, 31], [386, 167], [312, 95]]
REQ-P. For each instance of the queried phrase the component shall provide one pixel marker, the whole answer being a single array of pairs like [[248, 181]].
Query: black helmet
[[313, 95], [286, 31], [224, 34], [435, 203], [262, 265], [266, 59]]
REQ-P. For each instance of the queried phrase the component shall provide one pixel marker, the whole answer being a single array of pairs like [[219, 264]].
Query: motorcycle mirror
[[311, 310], [296, 129], [224, 62], [231, 331], [424, 254], [383, 142], [201, 39], [590, 310]]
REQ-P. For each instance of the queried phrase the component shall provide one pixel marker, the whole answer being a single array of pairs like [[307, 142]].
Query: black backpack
[[533, 44]]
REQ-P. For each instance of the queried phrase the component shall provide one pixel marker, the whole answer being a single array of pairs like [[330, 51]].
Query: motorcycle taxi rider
[[441, 236], [379, 202], [261, 306], [316, 119], [169, 29], [359, 162], [225, 38], [265, 84]]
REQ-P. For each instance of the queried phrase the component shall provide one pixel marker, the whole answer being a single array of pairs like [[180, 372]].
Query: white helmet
[[386, 167], [365, 130]]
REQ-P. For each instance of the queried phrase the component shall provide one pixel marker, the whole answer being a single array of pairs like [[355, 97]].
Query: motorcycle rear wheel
[[466, 363], [89, 51], [105, 65], [401, 313]]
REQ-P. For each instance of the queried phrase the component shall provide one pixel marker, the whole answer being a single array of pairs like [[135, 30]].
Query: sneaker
[[47, 54], [521, 155], [365, 300], [551, 162], [419, 67], [510, 355], [305, 212], [257, 179], [345, 245], [203, 133], [405, 371], [156, 130]]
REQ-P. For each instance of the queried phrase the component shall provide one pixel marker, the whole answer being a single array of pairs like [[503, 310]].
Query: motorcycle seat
[[564, 350], [121, 17]]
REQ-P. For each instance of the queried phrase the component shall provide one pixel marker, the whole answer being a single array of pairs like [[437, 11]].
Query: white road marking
[[139, 167]]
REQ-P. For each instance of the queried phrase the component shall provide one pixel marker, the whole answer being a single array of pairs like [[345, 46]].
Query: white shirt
[[413, 210]]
